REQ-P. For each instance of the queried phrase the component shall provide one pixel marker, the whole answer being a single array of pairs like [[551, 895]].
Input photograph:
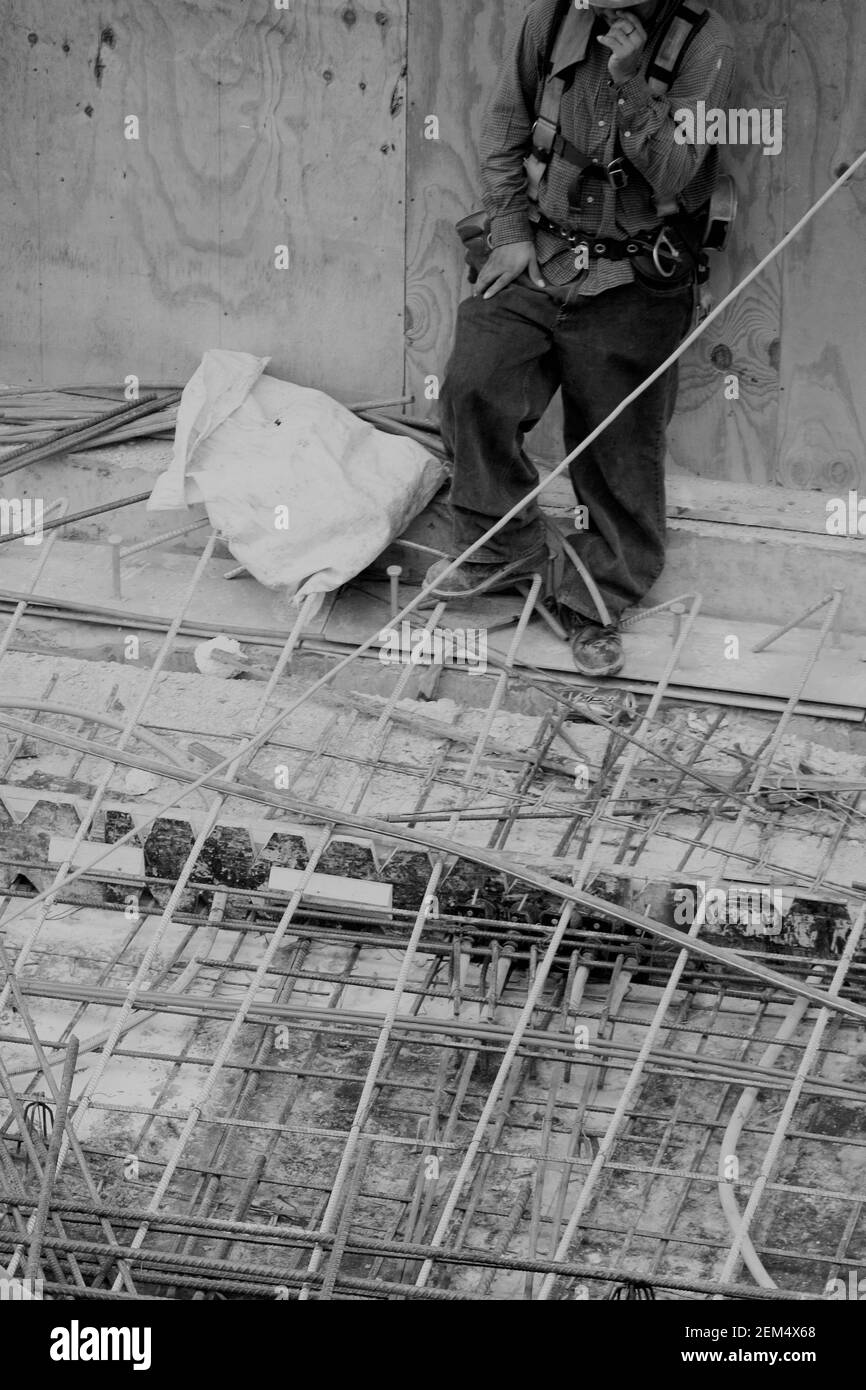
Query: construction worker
[[588, 286]]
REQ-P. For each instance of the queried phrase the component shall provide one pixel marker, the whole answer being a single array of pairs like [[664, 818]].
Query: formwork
[[312, 993]]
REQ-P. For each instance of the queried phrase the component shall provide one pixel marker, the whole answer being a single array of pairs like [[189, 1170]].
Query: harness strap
[[666, 59], [544, 136], [569, 34], [671, 47]]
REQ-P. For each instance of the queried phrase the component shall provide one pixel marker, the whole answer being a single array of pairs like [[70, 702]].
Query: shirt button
[[627, 134], [590, 199], [621, 101], [601, 122]]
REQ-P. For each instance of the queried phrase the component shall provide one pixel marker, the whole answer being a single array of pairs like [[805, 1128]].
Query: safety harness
[[681, 242], [666, 58], [675, 245]]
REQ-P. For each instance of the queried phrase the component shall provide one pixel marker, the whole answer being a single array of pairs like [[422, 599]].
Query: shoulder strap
[[559, 16], [671, 46], [676, 33], [546, 126]]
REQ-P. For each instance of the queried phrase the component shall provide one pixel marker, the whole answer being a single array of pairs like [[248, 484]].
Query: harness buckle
[[543, 137]]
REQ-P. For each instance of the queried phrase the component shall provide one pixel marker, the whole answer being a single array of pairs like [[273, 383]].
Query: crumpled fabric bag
[[247, 445]]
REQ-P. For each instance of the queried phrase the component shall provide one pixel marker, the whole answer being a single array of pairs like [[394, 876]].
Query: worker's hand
[[504, 264], [625, 38]]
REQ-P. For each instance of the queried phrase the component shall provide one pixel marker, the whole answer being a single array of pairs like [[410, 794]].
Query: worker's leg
[[607, 344], [499, 381]]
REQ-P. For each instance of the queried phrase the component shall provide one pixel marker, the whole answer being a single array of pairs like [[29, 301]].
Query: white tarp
[[305, 494]]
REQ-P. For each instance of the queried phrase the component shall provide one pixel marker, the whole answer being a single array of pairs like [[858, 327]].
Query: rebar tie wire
[[492, 859], [39, 1119]]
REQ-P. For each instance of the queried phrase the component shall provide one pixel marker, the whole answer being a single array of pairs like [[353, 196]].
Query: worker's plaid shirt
[[603, 121]]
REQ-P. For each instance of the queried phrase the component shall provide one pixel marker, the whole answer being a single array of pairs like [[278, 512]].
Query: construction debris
[[328, 993]]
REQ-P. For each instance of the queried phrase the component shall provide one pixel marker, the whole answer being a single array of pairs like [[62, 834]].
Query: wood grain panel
[[822, 435], [711, 436], [261, 127], [454, 51], [258, 127]]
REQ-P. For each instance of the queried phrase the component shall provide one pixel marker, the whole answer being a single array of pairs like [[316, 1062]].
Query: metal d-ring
[[663, 242]]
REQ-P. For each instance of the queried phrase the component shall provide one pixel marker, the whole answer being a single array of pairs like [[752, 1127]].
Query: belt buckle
[[617, 174], [542, 137]]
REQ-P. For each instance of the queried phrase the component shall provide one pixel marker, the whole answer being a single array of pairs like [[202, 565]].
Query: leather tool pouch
[[474, 232], [666, 272]]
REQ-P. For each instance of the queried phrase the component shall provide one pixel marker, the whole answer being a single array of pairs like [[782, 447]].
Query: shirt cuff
[[633, 96], [509, 227]]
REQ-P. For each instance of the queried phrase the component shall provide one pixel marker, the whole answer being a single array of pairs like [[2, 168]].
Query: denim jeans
[[511, 353]]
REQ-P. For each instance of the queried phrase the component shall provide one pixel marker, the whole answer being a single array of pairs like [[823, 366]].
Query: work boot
[[473, 578], [596, 650]]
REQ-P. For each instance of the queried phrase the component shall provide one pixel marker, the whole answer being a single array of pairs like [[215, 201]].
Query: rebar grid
[[480, 1188]]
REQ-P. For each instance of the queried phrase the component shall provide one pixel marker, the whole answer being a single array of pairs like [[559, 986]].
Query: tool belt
[[663, 255], [671, 252]]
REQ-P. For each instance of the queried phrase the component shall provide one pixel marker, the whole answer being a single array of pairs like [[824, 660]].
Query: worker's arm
[[648, 124], [505, 137]]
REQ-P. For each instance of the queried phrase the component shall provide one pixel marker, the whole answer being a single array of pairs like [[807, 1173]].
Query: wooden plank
[[822, 427], [838, 678], [736, 504], [153, 584], [126, 859], [317, 149], [257, 128], [330, 890], [711, 436]]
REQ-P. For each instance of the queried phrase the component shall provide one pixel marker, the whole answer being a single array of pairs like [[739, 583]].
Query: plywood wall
[[258, 127], [796, 338], [305, 127], [822, 369]]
